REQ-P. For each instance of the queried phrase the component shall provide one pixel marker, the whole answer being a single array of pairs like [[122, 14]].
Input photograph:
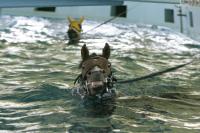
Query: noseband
[[89, 64], [99, 61]]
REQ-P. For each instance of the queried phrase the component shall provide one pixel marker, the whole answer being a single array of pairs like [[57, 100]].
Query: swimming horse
[[74, 30], [96, 80]]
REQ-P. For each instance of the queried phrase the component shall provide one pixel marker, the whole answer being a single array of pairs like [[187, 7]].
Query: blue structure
[[60, 3], [56, 3]]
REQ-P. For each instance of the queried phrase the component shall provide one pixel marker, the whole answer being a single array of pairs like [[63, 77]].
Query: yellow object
[[76, 24]]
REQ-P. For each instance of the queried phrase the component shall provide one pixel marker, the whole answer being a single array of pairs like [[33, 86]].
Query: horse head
[[76, 24], [74, 30], [96, 74]]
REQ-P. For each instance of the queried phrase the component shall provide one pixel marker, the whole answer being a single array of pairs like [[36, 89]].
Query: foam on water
[[38, 68]]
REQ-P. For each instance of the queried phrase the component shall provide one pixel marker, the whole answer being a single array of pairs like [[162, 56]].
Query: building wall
[[151, 13], [194, 31], [137, 12], [90, 12], [27, 12]]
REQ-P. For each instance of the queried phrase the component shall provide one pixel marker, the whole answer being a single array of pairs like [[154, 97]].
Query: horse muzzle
[[96, 82]]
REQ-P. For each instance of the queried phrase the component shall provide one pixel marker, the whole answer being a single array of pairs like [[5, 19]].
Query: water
[[37, 70]]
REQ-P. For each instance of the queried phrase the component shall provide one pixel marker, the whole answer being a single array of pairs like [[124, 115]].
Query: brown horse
[[96, 79], [74, 30]]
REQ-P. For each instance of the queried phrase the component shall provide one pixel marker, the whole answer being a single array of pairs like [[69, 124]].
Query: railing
[[192, 2], [56, 3]]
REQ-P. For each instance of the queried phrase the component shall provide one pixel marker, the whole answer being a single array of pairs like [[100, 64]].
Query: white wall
[[151, 13], [26, 12], [194, 32], [90, 12], [137, 12]]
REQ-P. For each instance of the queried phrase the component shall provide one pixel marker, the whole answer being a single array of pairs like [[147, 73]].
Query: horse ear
[[69, 19], [84, 52], [106, 51], [81, 20]]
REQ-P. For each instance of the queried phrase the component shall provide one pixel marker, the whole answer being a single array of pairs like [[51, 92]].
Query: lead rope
[[154, 74]]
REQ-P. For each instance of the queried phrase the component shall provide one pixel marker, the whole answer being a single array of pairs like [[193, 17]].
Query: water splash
[[37, 70]]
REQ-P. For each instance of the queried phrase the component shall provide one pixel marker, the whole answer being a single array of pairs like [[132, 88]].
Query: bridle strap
[[99, 61], [77, 79], [110, 80]]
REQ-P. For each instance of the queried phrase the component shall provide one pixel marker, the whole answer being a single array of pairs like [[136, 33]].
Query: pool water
[[38, 68]]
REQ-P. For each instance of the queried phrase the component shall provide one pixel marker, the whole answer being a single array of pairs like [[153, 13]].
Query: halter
[[74, 30], [75, 24], [99, 61], [87, 65]]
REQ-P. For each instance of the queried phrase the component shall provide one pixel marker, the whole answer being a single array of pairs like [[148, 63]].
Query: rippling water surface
[[37, 70]]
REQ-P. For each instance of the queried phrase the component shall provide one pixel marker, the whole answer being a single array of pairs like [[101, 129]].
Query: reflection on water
[[37, 70]]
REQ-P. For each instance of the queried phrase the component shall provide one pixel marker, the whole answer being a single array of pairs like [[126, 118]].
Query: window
[[119, 11], [169, 15], [46, 9], [191, 19]]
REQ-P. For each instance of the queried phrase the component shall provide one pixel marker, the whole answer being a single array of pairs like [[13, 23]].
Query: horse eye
[[109, 65]]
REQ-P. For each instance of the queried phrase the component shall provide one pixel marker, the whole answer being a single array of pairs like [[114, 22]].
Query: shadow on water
[[23, 107], [44, 92], [49, 108], [93, 118]]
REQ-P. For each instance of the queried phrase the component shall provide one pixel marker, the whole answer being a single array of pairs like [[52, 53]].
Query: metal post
[[181, 15], [181, 19]]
